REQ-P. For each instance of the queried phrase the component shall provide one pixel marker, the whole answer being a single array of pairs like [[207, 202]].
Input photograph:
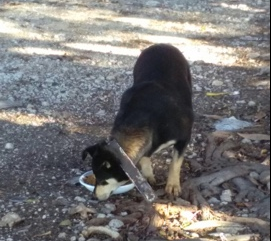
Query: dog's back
[[160, 101], [166, 65]]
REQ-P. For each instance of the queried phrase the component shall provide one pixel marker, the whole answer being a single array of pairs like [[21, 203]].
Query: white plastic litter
[[231, 124]]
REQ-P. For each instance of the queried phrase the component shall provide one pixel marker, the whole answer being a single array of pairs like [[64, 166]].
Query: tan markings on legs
[[147, 170], [173, 183]]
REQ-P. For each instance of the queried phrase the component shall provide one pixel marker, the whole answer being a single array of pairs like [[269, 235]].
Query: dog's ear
[[89, 151]]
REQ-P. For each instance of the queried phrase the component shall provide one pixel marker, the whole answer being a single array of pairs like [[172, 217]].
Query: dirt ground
[[64, 66]]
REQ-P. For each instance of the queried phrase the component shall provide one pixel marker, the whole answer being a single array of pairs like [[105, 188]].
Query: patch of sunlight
[[192, 50], [243, 7], [39, 51], [167, 26], [104, 48], [134, 21], [65, 14], [25, 119], [14, 30]]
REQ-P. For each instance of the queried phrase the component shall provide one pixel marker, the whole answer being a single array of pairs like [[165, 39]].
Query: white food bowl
[[123, 189]]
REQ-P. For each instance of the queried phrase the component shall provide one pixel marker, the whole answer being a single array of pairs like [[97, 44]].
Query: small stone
[[251, 103], [101, 215], [168, 161], [198, 88], [240, 101], [65, 223], [45, 104], [226, 196], [111, 207], [61, 201], [264, 71], [81, 239], [193, 155], [116, 224], [62, 236], [9, 146], [101, 113], [217, 83], [10, 220], [214, 200], [246, 141], [80, 199], [73, 238], [152, 4], [254, 175], [265, 177]]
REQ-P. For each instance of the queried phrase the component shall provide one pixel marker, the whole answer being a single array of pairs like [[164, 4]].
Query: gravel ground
[[66, 64]]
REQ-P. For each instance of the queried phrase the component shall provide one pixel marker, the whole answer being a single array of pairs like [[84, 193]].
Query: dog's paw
[[174, 189]]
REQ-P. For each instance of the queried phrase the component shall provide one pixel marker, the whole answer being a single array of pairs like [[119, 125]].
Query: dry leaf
[[210, 94], [255, 137], [260, 116], [215, 117]]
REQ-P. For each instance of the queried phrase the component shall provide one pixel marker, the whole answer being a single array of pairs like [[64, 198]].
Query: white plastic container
[[123, 189]]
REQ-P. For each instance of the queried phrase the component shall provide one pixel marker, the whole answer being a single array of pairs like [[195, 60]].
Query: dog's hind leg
[[173, 183], [147, 170]]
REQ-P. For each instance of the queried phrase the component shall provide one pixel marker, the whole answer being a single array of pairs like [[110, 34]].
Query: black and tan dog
[[155, 113]]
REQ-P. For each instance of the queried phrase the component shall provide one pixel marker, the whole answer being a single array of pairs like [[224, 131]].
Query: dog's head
[[107, 169]]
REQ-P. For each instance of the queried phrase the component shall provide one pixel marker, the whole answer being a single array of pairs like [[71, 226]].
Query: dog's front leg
[[147, 170], [173, 183]]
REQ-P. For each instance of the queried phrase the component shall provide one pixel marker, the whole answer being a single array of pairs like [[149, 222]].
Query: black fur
[[155, 110], [160, 99]]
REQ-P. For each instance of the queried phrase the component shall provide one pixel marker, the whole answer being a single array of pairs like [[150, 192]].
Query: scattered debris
[[10, 219], [231, 124], [255, 137], [101, 230], [82, 210]]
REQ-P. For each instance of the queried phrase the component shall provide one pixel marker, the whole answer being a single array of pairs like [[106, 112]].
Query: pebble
[[101, 215], [81, 239], [254, 175], [168, 161], [9, 146], [115, 224], [217, 83], [80, 199], [213, 200], [111, 207], [265, 177], [240, 101], [73, 238], [251, 103], [61, 201], [226, 196], [264, 71], [246, 141], [10, 219], [152, 4], [62, 236], [198, 88]]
